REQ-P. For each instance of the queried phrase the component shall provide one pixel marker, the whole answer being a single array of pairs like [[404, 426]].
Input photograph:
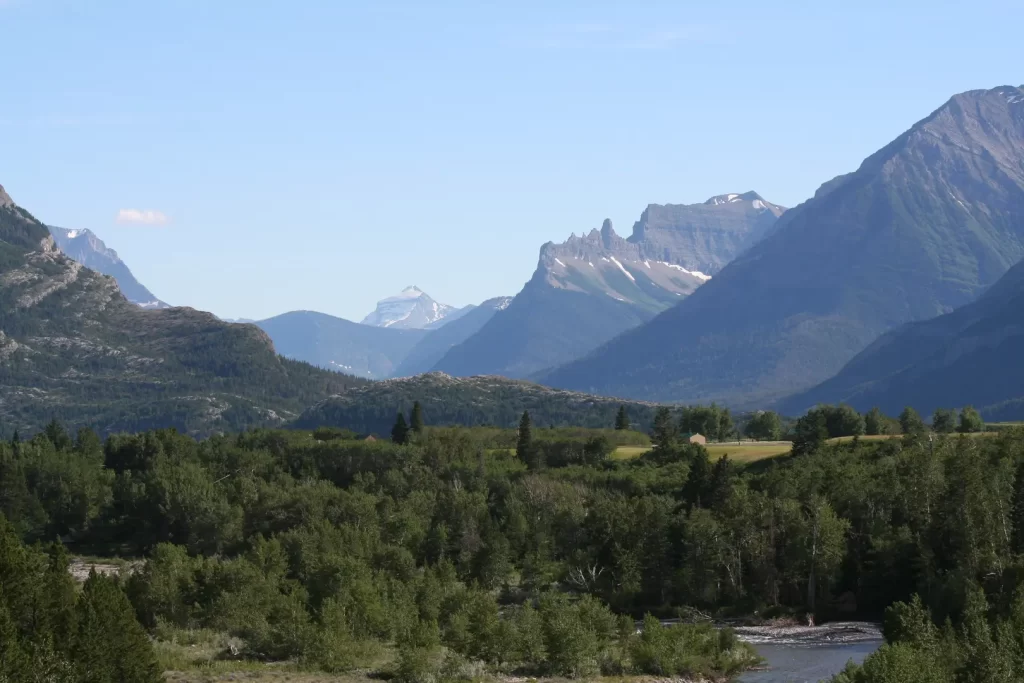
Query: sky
[[251, 158]]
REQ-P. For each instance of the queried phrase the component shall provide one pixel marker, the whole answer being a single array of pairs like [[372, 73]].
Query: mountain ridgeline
[[73, 347], [86, 248], [593, 287], [923, 226]]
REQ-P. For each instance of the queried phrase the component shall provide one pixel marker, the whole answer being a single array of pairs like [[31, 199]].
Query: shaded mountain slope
[[337, 344], [923, 226], [970, 356], [432, 348]]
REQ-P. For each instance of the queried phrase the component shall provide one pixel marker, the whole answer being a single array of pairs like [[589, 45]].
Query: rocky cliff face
[[923, 226], [86, 248], [592, 287]]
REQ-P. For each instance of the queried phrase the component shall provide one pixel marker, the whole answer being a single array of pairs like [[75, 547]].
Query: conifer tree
[[416, 418], [110, 645], [622, 420], [525, 449], [400, 432], [664, 429]]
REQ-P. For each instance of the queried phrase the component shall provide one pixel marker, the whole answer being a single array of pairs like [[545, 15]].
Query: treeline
[[320, 548], [49, 631]]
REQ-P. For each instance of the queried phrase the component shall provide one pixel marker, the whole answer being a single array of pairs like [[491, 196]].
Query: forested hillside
[[466, 401], [324, 552]]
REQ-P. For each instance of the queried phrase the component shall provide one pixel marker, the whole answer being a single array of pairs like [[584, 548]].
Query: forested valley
[[474, 553]]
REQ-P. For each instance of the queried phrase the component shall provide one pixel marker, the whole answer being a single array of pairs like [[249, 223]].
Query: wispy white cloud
[[142, 217]]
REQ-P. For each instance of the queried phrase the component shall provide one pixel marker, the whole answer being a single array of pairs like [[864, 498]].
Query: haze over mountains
[[923, 226], [591, 288]]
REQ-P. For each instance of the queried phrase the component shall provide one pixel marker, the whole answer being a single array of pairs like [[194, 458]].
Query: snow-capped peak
[[411, 308]]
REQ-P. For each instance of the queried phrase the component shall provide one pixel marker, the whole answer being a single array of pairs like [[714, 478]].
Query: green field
[[743, 453]]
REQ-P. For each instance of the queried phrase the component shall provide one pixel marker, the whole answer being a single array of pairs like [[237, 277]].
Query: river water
[[808, 654]]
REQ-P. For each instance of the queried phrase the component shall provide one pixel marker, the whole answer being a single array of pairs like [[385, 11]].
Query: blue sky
[[251, 158]]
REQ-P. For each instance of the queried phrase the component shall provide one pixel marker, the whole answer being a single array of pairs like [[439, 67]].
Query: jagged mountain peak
[[85, 247], [924, 225], [5, 199], [412, 308]]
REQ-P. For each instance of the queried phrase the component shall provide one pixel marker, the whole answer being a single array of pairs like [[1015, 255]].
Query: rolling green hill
[[467, 401]]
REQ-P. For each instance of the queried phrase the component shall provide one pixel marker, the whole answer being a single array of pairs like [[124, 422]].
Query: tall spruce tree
[[525, 448], [416, 418], [665, 433], [400, 432], [110, 645], [622, 419]]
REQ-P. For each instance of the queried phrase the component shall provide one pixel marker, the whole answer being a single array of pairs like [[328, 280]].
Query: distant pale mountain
[[341, 345], [426, 354], [923, 226], [89, 250], [970, 356], [410, 309], [593, 287], [72, 347], [468, 401]]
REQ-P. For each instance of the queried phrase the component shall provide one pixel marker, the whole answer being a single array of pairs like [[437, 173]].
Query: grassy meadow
[[744, 452]]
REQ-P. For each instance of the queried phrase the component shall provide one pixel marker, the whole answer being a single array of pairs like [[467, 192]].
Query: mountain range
[[923, 226], [590, 288], [73, 347], [86, 248], [970, 356]]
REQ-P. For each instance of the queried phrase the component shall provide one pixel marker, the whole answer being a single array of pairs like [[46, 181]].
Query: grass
[[742, 453], [883, 437]]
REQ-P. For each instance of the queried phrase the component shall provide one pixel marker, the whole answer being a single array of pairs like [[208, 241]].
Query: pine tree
[[416, 418], [110, 645], [400, 432], [525, 450], [944, 421], [622, 420], [664, 429], [14, 663]]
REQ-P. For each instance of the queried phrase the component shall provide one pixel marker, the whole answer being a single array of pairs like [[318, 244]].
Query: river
[[808, 654]]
